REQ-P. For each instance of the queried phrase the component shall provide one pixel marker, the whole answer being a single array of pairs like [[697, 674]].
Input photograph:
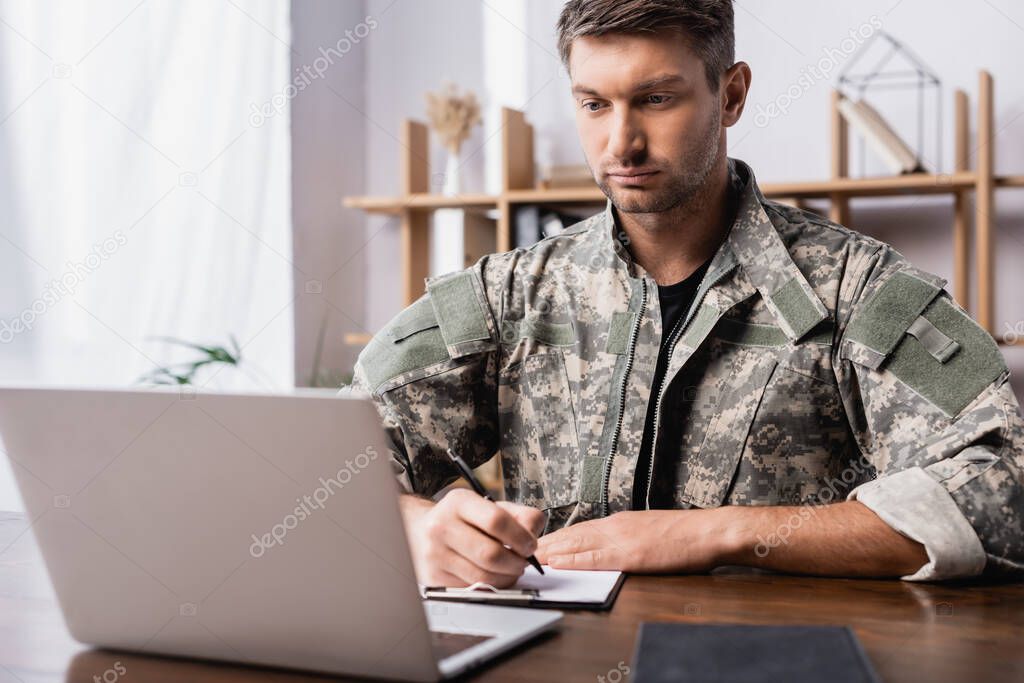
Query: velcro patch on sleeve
[[459, 305], [932, 339], [948, 378], [412, 340], [885, 317]]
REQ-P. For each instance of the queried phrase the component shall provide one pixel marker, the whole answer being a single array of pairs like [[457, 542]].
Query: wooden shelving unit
[[415, 204]]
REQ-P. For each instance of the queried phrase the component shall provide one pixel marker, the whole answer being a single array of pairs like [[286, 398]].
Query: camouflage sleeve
[[432, 373], [927, 395]]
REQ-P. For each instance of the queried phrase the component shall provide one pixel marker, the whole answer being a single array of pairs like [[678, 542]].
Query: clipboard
[[556, 589]]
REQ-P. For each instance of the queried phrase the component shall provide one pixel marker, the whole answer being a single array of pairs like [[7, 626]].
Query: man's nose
[[626, 139]]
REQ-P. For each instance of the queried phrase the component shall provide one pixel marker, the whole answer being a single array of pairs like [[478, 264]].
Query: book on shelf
[[880, 136]]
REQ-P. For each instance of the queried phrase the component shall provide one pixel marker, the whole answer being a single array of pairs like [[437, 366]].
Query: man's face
[[649, 123]]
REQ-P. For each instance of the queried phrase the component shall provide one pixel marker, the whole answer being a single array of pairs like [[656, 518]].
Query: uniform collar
[[766, 261], [765, 264]]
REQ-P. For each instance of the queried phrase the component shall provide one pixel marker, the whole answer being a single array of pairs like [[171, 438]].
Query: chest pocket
[[776, 424], [537, 420], [708, 474], [799, 449]]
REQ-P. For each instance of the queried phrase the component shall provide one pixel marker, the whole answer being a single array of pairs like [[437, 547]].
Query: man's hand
[[462, 539], [656, 541], [841, 539]]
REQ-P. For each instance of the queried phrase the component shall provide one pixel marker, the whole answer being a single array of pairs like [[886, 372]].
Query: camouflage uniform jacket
[[815, 365]]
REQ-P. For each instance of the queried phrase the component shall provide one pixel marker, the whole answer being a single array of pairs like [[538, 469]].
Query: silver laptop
[[255, 529]]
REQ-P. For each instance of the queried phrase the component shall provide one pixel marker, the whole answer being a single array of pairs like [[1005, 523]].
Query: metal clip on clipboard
[[481, 591]]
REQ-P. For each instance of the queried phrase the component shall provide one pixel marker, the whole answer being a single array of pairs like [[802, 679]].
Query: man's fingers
[[469, 572], [565, 541], [557, 536], [577, 547], [541, 554], [567, 547], [570, 550], [529, 518], [485, 552], [588, 559], [497, 522]]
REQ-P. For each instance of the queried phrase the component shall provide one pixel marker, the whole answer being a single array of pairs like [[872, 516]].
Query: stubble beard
[[684, 185]]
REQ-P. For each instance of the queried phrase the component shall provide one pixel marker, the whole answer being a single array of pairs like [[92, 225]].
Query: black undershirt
[[675, 302]]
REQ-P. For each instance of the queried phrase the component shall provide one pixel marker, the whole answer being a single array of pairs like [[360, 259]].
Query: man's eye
[[657, 99], [591, 106]]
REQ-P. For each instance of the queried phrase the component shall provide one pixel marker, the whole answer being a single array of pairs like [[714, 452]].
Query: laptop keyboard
[[446, 644]]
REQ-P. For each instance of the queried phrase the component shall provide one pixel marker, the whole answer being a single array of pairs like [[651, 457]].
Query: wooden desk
[[911, 632]]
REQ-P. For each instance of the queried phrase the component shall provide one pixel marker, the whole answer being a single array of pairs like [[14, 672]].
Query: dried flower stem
[[452, 116]]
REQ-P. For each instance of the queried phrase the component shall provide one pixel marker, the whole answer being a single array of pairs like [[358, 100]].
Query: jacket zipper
[[631, 350], [661, 385]]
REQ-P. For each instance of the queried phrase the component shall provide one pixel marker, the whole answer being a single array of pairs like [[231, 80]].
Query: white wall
[[329, 40], [422, 42], [418, 46]]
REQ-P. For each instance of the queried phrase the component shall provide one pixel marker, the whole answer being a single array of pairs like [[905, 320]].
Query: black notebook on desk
[[723, 653]]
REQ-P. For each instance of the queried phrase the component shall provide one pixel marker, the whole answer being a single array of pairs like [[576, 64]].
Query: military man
[[696, 376]]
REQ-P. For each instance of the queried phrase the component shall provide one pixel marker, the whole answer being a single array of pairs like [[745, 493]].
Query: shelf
[[561, 195], [884, 186], [911, 183], [421, 200], [426, 201]]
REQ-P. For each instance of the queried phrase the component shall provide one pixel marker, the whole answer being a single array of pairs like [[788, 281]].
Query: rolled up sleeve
[[917, 506], [928, 399]]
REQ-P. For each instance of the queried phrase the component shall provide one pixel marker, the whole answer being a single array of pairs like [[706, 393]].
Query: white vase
[[451, 175], [446, 250]]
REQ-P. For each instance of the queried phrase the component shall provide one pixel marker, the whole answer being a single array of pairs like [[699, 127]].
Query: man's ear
[[735, 86]]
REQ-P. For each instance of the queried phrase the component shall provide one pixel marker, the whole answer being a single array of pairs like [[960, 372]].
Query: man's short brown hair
[[707, 25]]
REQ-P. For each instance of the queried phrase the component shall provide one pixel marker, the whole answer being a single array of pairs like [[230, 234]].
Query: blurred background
[[214, 192]]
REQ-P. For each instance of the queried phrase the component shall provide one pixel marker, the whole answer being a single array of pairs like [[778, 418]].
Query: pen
[[467, 473]]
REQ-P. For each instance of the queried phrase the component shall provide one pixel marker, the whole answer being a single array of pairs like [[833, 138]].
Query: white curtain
[[140, 196]]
